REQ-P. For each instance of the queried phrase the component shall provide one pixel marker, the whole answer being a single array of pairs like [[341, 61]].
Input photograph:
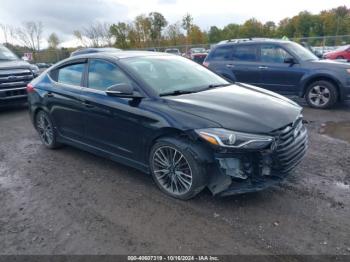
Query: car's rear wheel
[[321, 94], [175, 169], [44, 126]]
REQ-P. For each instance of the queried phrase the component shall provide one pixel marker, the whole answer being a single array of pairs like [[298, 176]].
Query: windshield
[[197, 50], [302, 53], [173, 51], [166, 74], [6, 54]]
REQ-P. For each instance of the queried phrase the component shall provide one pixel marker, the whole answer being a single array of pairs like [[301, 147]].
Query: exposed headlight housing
[[232, 139]]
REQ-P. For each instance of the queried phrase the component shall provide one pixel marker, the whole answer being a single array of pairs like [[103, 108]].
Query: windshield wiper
[[177, 92], [217, 85], [182, 92]]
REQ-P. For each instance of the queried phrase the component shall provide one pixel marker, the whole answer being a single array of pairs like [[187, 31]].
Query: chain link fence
[[319, 44]]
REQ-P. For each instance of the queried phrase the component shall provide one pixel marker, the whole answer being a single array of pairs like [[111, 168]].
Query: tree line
[[153, 30]]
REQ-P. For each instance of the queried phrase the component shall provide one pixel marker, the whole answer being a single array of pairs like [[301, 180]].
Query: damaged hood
[[239, 107]]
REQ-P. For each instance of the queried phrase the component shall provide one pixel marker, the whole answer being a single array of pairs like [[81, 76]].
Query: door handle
[[263, 67], [88, 104], [230, 66], [49, 94]]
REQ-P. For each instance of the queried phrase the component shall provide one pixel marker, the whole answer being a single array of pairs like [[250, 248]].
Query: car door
[[276, 74], [111, 123], [244, 63], [235, 62], [63, 99]]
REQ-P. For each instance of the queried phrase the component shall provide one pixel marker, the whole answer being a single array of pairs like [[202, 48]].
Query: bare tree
[[95, 35], [173, 32], [29, 34], [7, 32]]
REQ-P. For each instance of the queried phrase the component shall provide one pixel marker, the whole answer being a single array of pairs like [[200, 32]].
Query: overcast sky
[[64, 16]]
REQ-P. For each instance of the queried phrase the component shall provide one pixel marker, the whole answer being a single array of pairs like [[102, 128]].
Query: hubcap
[[45, 129], [319, 95], [172, 170]]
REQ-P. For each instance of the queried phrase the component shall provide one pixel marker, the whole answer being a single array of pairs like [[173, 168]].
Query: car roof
[[94, 50], [252, 41], [120, 54]]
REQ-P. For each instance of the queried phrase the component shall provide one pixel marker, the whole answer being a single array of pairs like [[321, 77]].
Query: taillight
[[206, 64], [30, 88]]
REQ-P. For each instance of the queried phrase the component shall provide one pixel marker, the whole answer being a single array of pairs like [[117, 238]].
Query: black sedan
[[170, 117]]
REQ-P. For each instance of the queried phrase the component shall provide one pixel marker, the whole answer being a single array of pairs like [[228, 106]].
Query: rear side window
[[71, 74], [273, 54], [245, 53], [103, 74], [222, 53]]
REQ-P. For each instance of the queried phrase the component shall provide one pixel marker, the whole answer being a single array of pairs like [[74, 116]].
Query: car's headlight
[[348, 70], [227, 138]]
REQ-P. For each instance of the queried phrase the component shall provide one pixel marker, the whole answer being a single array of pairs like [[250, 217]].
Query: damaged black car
[[170, 117]]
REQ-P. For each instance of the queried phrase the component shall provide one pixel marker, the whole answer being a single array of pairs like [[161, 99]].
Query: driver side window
[[273, 54], [103, 74]]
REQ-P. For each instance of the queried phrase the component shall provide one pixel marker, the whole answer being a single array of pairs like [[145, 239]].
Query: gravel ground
[[68, 201]]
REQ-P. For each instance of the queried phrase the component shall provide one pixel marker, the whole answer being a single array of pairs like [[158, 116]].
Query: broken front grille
[[291, 146]]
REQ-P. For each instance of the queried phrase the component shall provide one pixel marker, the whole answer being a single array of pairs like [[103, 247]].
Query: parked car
[[315, 51], [198, 54], [43, 66], [91, 50], [151, 49], [174, 51], [15, 74], [342, 52], [171, 117], [284, 67]]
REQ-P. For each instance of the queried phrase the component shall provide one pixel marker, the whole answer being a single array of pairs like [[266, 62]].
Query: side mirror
[[122, 90], [289, 60]]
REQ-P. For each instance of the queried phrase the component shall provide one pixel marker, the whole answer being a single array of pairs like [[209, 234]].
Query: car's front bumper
[[243, 172], [13, 96]]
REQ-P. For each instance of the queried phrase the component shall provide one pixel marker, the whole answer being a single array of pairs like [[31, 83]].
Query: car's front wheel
[[44, 126], [321, 94], [175, 169]]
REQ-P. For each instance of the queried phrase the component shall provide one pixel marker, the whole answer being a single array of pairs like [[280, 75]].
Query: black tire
[[340, 57], [198, 170], [44, 127], [327, 95]]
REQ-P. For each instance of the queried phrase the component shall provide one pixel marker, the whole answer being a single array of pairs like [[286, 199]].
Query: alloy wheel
[[44, 128], [172, 171], [319, 95]]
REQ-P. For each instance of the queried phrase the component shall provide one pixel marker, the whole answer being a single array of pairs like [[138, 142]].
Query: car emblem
[[11, 77]]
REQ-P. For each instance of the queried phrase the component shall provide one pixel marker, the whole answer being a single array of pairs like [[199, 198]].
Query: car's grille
[[292, 143], [14, 81]]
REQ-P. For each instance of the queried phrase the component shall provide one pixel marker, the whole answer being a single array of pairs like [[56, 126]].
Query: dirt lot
[[68, 201]]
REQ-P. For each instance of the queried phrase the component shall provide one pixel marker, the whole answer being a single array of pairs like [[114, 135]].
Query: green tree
[[53, 41], [142, 27], [120, 31], [196, 36], [231, 31], [158, 22], [215, 34], [252, 28], [173, 33]]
